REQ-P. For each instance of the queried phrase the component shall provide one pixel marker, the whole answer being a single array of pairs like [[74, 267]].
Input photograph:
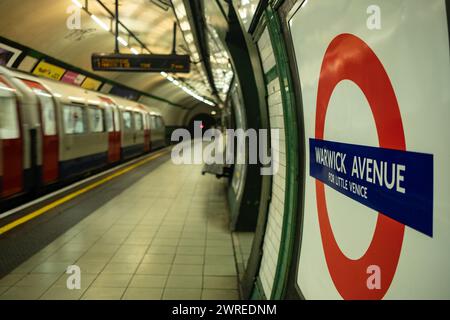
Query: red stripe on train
[[12, 159]]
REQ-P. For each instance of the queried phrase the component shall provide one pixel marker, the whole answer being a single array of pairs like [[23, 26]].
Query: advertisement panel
[[47, 70], [8, 55], [73, 78], [28, 64], [374, 79], [91, 84]]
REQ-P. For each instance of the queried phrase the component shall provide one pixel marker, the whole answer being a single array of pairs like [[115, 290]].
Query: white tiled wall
[[276, 209]]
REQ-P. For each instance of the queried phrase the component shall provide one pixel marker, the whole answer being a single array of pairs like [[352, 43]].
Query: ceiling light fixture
[[100, 22], [106, 27], [77, 3], [122, 41]]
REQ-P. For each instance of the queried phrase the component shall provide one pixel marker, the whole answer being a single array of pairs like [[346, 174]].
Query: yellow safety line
[[71, 196]]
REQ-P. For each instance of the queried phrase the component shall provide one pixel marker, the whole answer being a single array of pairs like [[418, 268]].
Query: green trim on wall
[[285, 254], [258, 291], [271, 75], [275, 4], [243, 57], [42, 56], [259, 29]]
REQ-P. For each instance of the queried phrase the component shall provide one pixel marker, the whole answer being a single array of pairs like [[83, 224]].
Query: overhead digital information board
[[141, 63]]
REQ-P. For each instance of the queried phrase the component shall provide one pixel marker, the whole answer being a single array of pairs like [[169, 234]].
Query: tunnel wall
[[172, 117], [273, 232], [200, 109]]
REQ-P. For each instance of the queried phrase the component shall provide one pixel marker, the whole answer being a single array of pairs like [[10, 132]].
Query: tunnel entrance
[[207, 122]]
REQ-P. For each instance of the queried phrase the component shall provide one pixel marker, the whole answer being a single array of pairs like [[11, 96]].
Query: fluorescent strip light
[[122, 41], [186, 89], [100, 22], [134, 51], [77, 3]]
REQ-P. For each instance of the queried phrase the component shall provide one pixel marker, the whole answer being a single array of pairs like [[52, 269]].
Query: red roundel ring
[[350, 58]]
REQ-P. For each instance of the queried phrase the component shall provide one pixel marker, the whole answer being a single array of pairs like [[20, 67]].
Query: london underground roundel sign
[[350, 58]]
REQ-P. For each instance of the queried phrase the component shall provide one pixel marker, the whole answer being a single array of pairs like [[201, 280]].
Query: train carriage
[[158, 130], [11, 141], [133, 127], [51, 132]]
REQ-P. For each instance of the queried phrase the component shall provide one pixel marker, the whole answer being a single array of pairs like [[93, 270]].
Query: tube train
[[51, 132]]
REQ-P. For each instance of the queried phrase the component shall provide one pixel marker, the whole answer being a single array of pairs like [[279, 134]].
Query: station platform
[[157, 231]]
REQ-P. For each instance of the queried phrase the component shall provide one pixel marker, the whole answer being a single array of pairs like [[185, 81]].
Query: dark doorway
[[205, 122]]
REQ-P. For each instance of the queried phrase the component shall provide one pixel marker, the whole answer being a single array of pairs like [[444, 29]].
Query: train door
[[11, 143], [113, 127], [140, 129], [153, 131], [162, 131], [128, 134], [159, 131], [49, 132], [116, 135], [147, 132]]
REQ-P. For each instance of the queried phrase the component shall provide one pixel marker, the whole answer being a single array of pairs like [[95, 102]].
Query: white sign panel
[[375, 79]]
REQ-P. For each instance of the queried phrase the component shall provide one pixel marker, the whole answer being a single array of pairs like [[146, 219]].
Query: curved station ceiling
[[70, 31]]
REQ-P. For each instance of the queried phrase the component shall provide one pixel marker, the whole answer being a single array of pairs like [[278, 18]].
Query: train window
[[9, 128], [127, 122], [96, 120], [48, 114], [109, 119], [153, 122], [74, 119], [138, 121], [116, 120], [159, 123], [144, 118], [47, 106], [147, 121]]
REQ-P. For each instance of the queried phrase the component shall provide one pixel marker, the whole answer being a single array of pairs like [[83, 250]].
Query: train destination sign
[[141, 63]]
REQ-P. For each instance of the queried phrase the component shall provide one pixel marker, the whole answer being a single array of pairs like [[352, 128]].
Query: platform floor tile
[[164, 237]]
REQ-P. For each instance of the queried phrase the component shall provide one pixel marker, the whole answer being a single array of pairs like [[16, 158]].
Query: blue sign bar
[[398, 184]]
